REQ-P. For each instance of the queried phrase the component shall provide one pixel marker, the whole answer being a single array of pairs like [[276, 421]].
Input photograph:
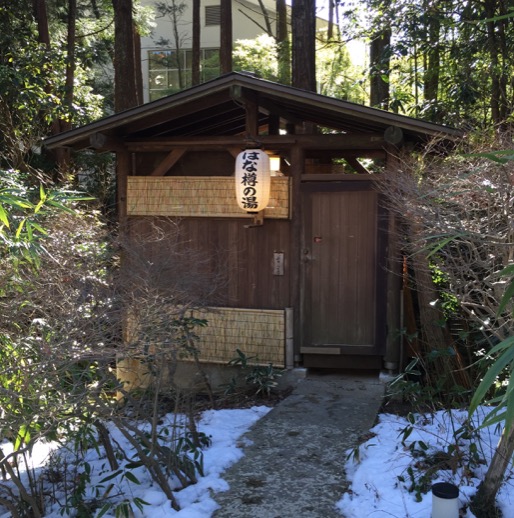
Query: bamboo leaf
[[3, 216], [38, 227], [507, 297], [104, 510], [20, 228], [443, 243], [509, 397], [130, 476], [507, 271], [506, 358], [111, 476]]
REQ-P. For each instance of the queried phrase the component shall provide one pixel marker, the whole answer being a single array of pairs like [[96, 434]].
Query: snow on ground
[[224, 427], [387, 464], [380, 470]]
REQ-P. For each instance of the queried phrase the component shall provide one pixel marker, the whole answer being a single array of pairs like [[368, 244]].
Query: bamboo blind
[[258, 333], [193, 196]]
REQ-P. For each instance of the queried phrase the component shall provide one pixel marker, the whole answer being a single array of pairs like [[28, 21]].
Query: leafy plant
[[461, 452], [260, 380], [501, 368]]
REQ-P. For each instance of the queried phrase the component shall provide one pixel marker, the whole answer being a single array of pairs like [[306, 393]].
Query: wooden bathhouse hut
[[310, 281]]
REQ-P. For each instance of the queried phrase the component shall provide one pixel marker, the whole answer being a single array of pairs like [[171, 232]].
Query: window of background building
[[212, 15], [164, 67]]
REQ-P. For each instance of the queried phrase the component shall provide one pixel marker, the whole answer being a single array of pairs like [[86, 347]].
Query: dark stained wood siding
[[220, 261]]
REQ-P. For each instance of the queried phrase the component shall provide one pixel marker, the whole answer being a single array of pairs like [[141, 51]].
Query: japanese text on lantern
[[249, 179]]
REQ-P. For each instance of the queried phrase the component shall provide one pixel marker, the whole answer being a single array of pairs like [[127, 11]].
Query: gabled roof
[[217, 108]]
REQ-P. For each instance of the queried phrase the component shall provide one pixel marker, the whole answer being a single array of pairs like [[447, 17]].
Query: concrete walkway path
[[294, 459]]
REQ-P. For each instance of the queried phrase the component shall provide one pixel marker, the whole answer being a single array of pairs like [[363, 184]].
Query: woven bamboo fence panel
[[192, 196], [257, 333]]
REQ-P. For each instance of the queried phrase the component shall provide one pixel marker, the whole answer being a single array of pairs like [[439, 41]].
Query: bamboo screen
[[195, 196], [259, 333], [256, 332]]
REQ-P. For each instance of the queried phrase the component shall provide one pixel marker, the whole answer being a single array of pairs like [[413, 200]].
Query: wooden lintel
[[340, 177], [338, 141], [102, 142], [171, 159], [347, 153], [320, 350], [351, 142]]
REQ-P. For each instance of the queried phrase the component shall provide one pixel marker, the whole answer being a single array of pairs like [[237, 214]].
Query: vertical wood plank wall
[[220, 261]]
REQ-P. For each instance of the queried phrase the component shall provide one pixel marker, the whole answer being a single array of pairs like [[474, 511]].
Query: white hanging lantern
[[253, 181]]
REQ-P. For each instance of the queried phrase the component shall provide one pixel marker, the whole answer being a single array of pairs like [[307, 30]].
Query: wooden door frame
[[353, 184]]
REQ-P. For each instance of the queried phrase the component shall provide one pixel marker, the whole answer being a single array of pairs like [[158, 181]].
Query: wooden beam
[[171, 159], [102, 142], [338, 177], [349, 142], [347, 153]]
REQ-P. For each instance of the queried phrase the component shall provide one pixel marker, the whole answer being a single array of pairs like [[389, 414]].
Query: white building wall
[[247, 23]]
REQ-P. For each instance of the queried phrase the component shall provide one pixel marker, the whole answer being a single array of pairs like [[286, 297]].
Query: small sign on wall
[[278, 263]]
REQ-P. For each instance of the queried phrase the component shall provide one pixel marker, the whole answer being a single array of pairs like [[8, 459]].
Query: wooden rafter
[[171, 159]]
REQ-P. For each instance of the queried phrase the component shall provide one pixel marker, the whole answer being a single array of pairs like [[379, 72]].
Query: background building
[[167, 51]]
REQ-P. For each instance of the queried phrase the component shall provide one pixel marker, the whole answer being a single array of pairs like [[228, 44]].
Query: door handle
[[306, 256]]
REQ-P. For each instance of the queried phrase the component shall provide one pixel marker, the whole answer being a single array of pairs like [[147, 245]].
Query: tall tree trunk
[[431, 77], [330, 31], [379, 68], [433, 337], [226, 36], [41, 16], [196, 43], [283, 47], [484, 500], [61, 156], [70, 59], [497, 53], [175, 14], [96, 11], [138, 67], [304, 44], [125, 72]]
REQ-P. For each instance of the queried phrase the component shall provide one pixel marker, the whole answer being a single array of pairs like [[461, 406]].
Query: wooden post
[[394, 284], [122, 172], [289, 338], [393, 304], [252, 118], [297, 169]]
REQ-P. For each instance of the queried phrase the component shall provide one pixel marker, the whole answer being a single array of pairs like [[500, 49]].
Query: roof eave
[[79, 137]]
